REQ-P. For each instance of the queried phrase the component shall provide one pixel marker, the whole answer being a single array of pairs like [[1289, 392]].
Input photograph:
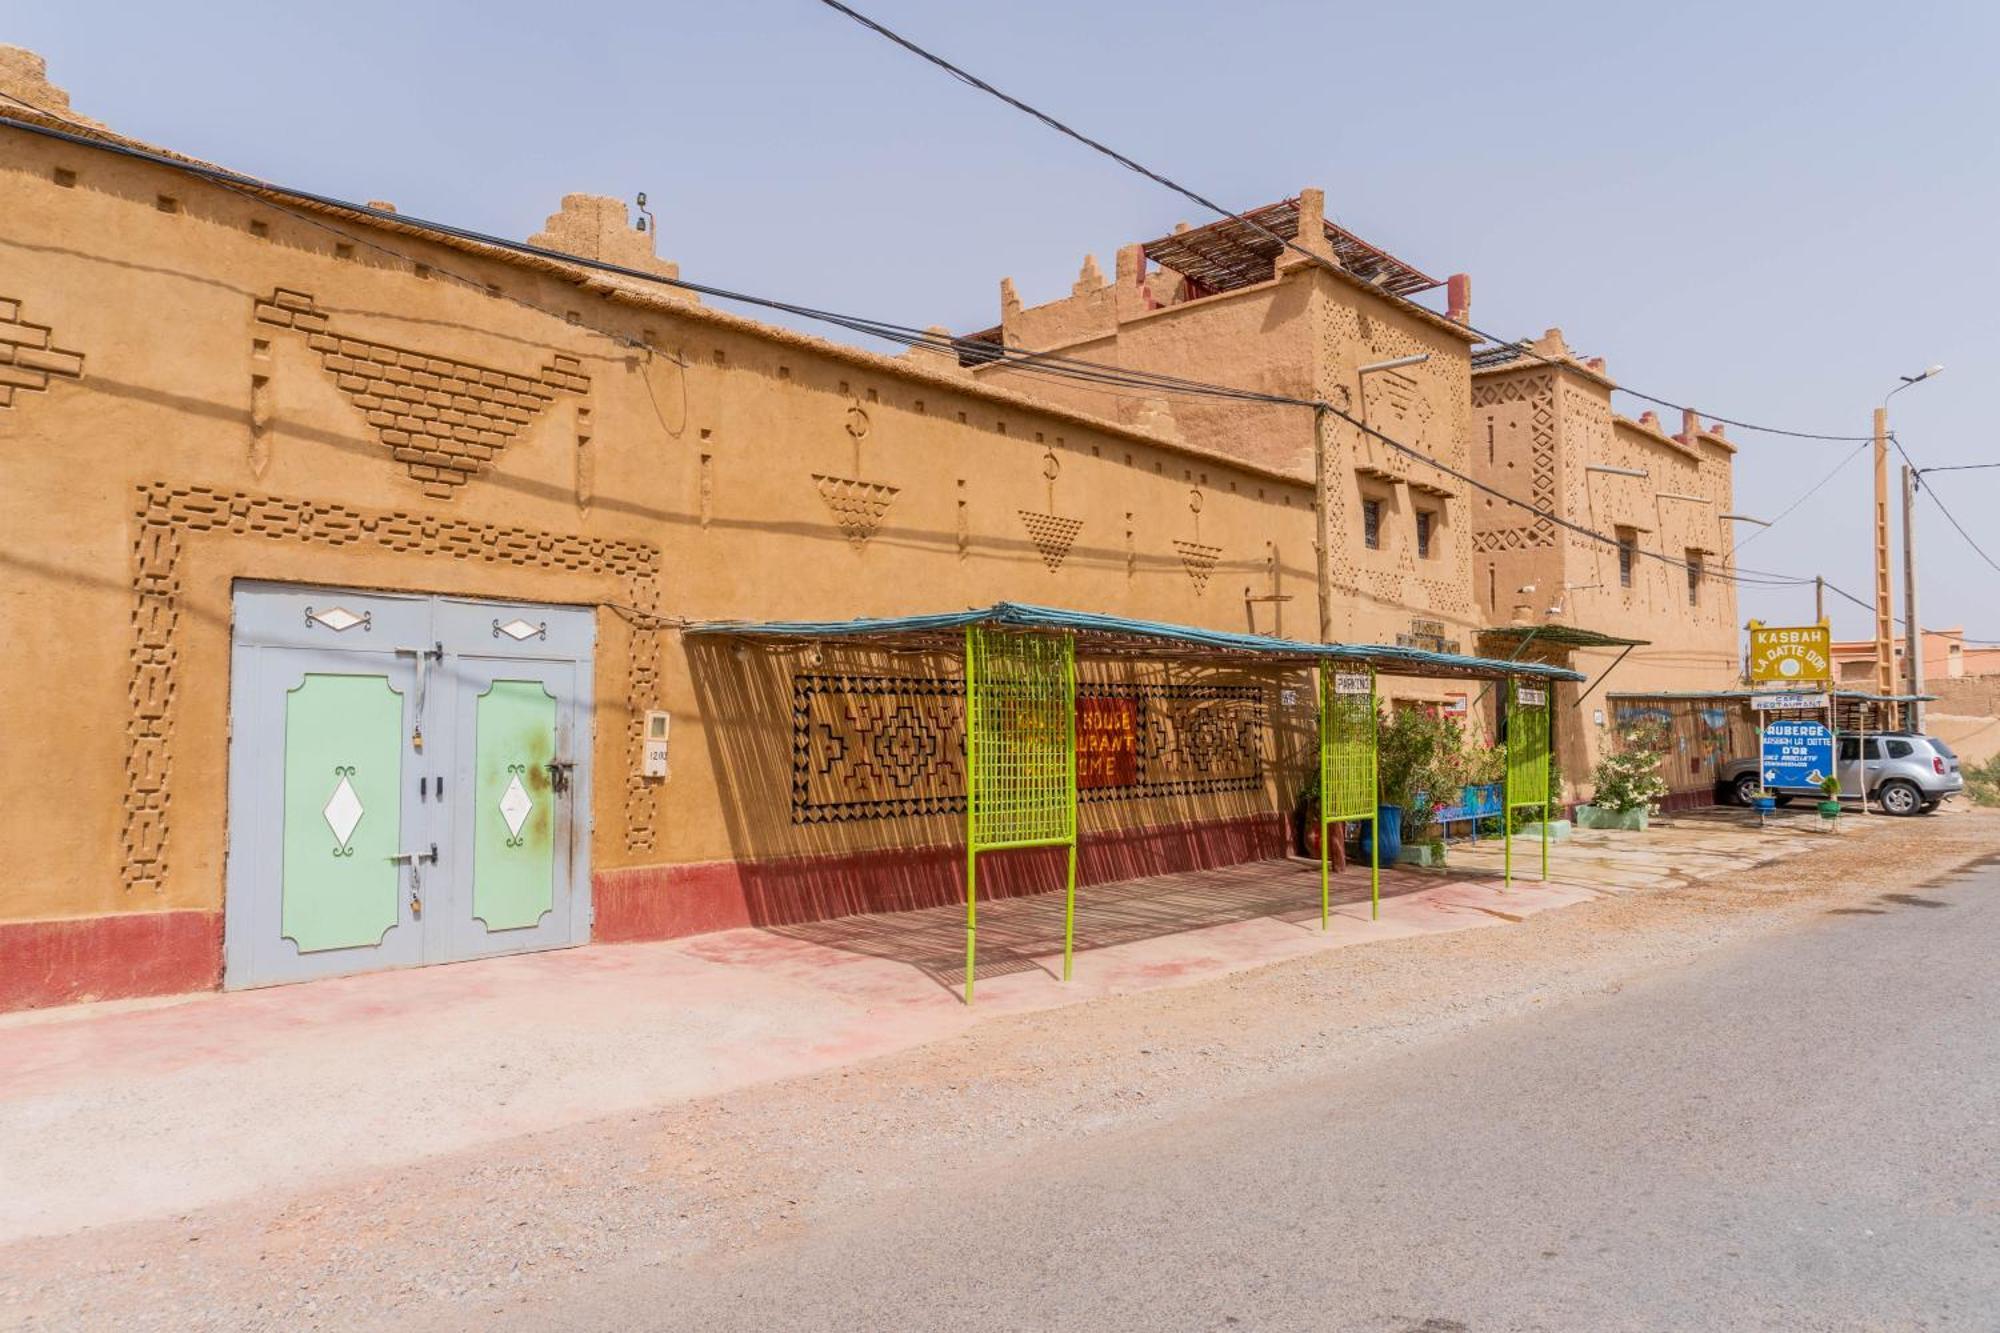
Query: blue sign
[[1797, 752]]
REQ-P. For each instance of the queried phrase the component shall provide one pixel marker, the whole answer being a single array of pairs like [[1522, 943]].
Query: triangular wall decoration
[[857, 506], [1199, 561], [1052, 534]]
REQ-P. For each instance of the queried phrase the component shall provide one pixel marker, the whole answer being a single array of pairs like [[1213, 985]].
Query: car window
[[1901, 749], [1850, 749], [1941, 747], [1871, 748]]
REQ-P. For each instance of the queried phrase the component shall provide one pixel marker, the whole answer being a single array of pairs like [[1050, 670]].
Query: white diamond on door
[[515, 805], [343, 811]]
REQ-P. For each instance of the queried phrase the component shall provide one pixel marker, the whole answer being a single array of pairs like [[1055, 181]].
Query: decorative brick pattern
[[893, 747], [1199, 561], [444, 419], [166, 516], [857, 506], [28, 359], [1535, 390], [1052, 534]]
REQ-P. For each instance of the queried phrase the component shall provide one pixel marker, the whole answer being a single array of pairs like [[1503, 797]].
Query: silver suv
[[1908, 773]]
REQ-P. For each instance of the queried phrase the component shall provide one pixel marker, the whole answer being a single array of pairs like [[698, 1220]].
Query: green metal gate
[[1527, 763], [1020, 742], [1347, 773]]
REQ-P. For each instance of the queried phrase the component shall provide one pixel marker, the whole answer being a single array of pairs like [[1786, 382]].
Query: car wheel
[[1746, 789], [1900, 798]]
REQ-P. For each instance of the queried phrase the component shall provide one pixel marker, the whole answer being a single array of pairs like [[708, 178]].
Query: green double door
[[409, 781]]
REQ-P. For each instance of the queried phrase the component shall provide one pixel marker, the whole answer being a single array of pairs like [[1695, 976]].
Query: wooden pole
[[1913, 634]]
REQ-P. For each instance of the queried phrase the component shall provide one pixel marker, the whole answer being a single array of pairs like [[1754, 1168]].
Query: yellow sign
[[1794, 655]]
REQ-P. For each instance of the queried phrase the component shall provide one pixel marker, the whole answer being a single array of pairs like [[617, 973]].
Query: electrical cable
[[1949, 517], [1838, 468], [972, 80]]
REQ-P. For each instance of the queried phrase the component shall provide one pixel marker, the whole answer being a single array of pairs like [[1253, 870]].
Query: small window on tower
[[1695, 570], [1628, 555], [1426, 524], [1371, 524]]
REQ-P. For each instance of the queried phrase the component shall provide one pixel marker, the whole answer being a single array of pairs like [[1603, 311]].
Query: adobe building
[[1545, 433], [358, 556], [1225, 303]]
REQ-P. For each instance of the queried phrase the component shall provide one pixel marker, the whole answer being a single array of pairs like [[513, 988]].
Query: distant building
[[1947, 656]]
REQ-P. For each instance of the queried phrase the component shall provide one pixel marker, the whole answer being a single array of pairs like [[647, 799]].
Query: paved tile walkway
[[129, 1109]]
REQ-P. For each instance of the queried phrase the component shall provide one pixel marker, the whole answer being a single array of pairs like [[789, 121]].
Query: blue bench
[[1481, 801]]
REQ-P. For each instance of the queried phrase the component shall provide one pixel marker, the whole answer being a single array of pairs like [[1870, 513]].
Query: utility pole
[[1819, 599], [1913, 632], [1885, 678], [1885, 626], [1322, 430]]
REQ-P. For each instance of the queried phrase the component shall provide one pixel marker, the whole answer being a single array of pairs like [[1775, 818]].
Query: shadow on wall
[[840, 773]]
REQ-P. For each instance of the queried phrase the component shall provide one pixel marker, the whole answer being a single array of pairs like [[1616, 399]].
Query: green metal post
[[1507, 784], [1069, 914], [971, 813], [1075, 818], [1548, 769], [1375, 828], [1319, 758], [1545, 835]]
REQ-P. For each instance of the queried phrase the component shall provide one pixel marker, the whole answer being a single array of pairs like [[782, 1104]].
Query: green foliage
[[1628, 776], [1419, 755], [1486, 763], [1829, 786], [1982, 781]]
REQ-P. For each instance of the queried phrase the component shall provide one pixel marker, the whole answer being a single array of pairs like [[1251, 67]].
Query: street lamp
[[1884, 614]]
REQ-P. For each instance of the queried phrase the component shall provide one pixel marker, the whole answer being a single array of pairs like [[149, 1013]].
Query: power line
[[1958, 467], [964, 76], [1031, 363], [1837, 469], [1949, 517]]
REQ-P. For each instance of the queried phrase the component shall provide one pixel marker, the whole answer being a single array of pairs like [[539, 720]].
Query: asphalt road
[[1801, 1132]]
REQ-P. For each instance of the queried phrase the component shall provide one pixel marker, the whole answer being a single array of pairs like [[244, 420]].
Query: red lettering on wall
[[1107, 742]]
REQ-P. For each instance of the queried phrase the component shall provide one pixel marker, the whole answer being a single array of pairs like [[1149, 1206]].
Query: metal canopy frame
[[1021, 717]]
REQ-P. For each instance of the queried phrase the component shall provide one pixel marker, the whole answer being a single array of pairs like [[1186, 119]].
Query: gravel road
[[1803, 1132], [1297, 1065]]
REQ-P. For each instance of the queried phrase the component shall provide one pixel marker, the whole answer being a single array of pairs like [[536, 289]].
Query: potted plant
[[1626, 783], [1416, 753], [1829, 790]]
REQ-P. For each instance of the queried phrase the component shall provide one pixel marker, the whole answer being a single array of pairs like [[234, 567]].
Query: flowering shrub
[[1628, 778]]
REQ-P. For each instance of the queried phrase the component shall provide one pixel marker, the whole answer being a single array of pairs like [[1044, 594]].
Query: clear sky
[[1770, 210]]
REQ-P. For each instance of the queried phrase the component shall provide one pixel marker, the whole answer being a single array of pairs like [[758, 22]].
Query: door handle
[[559, 774], [416, 861]]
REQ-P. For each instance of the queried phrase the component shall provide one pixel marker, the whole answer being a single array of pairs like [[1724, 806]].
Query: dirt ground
[[445, 1242]]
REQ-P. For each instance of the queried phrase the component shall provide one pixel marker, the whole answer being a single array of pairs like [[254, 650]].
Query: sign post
[[1791, 670]]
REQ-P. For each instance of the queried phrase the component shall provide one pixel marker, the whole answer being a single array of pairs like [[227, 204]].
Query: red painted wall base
[[665, 902], [108, 957], [130, 954]]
